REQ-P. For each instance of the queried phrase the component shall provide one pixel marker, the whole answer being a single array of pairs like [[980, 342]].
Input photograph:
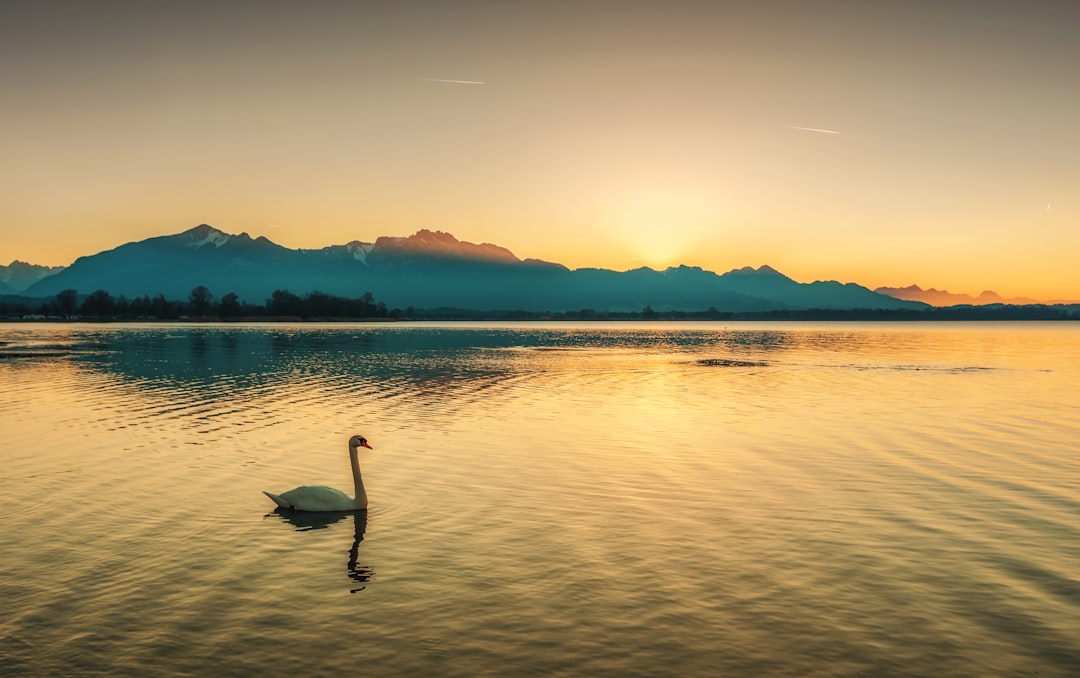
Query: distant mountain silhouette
[[425, 244], [433, 269], [945, 298], [19, 275]]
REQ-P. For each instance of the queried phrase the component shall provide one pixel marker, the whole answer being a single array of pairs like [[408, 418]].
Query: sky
[[882, 143]]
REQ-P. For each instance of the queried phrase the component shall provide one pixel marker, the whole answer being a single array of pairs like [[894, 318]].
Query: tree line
[[202, 304], [995, 312], [284, 305]]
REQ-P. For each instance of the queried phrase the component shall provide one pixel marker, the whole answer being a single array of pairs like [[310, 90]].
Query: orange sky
[[881, 143]]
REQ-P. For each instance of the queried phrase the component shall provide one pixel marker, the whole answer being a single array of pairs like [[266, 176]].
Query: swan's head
[[359, 441]]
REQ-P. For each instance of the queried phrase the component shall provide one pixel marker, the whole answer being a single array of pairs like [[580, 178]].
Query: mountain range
[[429, 269], [936, 297], [19, 275]]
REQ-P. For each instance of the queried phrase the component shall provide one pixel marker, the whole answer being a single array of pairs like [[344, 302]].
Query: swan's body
[[316, 498], [319, 498]]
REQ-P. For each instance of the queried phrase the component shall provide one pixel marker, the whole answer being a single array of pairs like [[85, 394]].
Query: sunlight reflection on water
[[649, 499]]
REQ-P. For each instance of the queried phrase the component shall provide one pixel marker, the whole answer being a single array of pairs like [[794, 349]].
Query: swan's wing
[[318, 498]]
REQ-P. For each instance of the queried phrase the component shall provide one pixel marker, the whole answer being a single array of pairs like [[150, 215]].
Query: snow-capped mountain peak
[[203, 235], [359, 250]]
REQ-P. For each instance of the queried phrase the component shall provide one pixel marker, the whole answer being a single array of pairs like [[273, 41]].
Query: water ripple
[[585, 500]]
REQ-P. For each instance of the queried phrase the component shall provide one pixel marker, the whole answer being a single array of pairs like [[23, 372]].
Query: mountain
[[19, 275], [433, 269], [767, 281], [945, 298], [173, 265], [425, 244]]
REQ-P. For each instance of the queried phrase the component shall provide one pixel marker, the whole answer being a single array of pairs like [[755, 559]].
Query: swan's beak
[[365, 444]]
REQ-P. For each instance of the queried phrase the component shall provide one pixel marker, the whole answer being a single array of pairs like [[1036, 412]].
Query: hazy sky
[[883, 143]]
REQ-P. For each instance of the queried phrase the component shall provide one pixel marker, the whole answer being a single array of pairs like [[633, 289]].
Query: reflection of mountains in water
[[424, 356], [255, 358], [232, 361], [306, 521]]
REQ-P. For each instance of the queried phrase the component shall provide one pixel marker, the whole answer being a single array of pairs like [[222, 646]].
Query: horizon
[[881, 145]]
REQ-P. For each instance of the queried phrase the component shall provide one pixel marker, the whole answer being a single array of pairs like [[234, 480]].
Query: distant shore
[[952, 313]]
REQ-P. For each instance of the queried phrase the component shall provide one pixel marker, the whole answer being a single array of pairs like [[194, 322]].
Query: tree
[[367, 304], [229, 306], [67, 300], [283, 302], [159, 307], [100, 303], [140, 306], [200, 300], [319, 304]]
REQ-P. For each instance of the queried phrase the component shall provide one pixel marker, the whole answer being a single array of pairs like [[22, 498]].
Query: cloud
[[816, 129], [456, 82]]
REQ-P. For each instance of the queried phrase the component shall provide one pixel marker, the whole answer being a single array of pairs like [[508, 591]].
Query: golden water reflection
[[876, 499]]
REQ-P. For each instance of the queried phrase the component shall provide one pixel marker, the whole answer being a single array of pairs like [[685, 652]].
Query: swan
[[319, 498]]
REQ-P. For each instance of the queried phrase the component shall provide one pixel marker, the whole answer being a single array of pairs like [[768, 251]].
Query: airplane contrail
[[456, 82], [815, 129]]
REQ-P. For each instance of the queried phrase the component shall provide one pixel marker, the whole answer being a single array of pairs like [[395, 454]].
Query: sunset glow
[[877, 143]]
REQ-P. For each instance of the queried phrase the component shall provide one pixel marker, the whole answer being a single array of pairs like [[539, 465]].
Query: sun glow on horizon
[[661, 225]]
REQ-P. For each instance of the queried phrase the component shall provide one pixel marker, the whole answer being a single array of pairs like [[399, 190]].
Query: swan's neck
[[358, 481]]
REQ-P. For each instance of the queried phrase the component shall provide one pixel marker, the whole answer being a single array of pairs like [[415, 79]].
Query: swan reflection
[[306, 521]]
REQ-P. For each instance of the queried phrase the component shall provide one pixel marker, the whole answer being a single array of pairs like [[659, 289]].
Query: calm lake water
[[798, 499]]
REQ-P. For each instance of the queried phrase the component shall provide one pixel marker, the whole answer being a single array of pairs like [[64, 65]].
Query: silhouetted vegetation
[[200, 305], [996, 312], [286, 306], [67, 301], [200, 300]]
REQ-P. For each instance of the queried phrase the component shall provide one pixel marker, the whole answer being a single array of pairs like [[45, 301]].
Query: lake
[[610, 499]]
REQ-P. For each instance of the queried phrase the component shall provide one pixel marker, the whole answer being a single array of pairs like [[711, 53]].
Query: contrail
[[815, 129], [456, 82]]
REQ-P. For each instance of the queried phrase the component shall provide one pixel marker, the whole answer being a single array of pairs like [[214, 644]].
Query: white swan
[[319, 498]]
